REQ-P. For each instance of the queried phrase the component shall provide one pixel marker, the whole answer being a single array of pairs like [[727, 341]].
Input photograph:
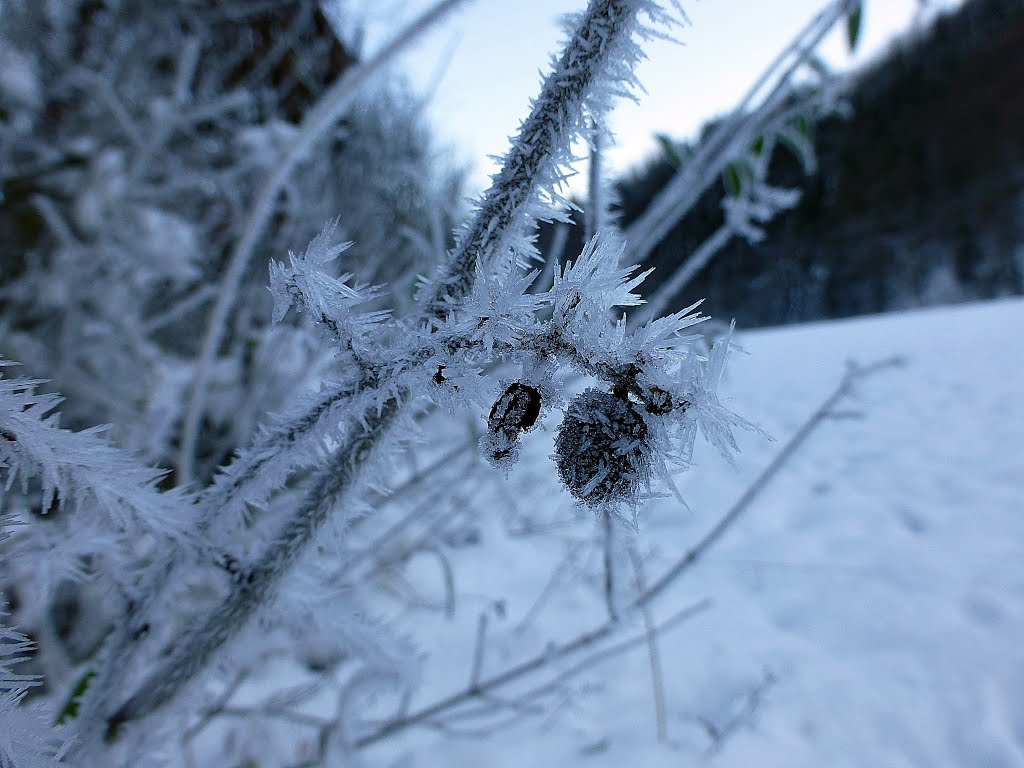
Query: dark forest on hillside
[[918, 198]]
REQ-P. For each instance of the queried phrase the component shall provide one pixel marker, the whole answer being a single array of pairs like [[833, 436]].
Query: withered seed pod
[[601, 448]]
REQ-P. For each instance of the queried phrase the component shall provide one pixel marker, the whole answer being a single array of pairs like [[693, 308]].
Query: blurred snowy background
[[866, 605]]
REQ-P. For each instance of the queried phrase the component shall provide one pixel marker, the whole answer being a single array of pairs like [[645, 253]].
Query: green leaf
[[70, 708], [801, 146], [732, 180], [853, 26], [668, 147], [758, 146], [738, 176], [803, 125]]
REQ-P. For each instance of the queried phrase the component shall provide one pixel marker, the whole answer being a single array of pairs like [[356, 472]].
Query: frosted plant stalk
[[600, 53]]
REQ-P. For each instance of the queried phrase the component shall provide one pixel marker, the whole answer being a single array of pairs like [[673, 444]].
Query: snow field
[[867, 609]]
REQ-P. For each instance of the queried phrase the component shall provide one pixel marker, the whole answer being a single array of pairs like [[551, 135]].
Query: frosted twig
[[653, 653], [253, 584], [753, 699], [853, 374], [542, 144], [571, 558], [185, 306], [693, 264], [478, 654], [596, 213], [547, 657], [54, 220], [608, 540], [186, 69], [217, 707], [101, 86]]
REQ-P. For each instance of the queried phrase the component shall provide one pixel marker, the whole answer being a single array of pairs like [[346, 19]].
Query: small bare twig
[[719, 734], [550, 655], [654, 654], [609, 565], [82, 77], [853, 374], [571, 558], [297, 718], [54, 220], [478, 654], [217, 706], [617, 649]]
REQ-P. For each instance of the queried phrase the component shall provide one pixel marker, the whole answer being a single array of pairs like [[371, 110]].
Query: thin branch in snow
[[653, 652]]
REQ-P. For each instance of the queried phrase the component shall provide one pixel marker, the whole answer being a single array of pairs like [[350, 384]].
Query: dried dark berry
[[601, 449], [516, 409]]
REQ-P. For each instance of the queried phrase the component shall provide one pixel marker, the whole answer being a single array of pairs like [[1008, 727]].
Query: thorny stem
[[257, 462], [137, 623], [606, 24], [254, 585], [542, 139]]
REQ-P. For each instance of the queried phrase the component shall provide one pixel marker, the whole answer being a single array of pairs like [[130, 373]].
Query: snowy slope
[[867, 610]]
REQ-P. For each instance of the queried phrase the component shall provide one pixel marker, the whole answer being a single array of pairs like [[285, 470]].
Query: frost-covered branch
[[27, 738], [595, 65], [596, 62], [101, 502], [252, 585]]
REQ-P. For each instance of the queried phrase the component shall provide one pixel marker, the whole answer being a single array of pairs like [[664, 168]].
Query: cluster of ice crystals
[[308, 285]]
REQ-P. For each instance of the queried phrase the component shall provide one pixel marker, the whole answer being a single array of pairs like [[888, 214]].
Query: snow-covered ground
[[866, 610]]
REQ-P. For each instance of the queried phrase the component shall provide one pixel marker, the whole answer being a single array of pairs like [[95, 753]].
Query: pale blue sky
[[485, 63]]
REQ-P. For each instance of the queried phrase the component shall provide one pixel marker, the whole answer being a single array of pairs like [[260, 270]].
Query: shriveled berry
[[601, 449], [514, 412], [516, 409]]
